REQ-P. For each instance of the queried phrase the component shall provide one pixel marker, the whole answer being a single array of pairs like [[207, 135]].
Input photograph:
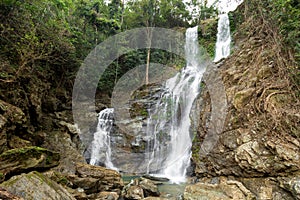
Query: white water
[[171, 158], [223, 35], [101, 148], [223, 38]]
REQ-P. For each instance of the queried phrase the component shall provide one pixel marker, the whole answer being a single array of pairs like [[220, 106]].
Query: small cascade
[[223, 35], [101, 148], [223, 38], [169, 123]]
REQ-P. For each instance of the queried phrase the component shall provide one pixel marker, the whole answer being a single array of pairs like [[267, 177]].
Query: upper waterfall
[[223, 35], [223, 38]]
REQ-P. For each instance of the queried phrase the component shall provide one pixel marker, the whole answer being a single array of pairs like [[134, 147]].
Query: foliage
[[35, 34], [286, 13]]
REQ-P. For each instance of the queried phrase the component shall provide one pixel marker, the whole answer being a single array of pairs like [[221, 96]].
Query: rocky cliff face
[[260, 141]]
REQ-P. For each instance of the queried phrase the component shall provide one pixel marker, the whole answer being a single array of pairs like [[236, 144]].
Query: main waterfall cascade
[[170, 154], [101, 148]]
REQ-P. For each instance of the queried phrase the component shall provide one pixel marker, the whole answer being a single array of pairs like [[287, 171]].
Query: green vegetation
[[50, 39]]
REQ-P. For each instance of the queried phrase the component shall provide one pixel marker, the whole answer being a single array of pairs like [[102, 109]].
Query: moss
[[16, 161], [22, 151], [63, 181]]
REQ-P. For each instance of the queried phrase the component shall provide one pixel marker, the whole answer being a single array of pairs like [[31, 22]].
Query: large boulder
[[16, 161], [95, 179], [36, 186]]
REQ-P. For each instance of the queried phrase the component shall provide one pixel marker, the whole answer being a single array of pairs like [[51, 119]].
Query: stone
[[292, 184], [241, 98], [154, 178], [5, 195], [17, 142], [102, 178], [88, 184], [72, 128], [134, 192], [107, 196], [36, 186], [225, 190], [266, 188], [16, 161], [61, 141], [149, 188]]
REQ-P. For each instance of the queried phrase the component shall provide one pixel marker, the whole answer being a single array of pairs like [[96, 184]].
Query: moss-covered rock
[[36, 186], [16, 161]]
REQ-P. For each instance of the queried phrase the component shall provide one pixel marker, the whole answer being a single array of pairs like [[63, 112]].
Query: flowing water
[[101, 148], [223, 38], [169, 123], [223, 35]]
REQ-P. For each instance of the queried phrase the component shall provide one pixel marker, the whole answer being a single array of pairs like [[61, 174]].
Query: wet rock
[[154, 178], [149, 188], [5, 195], [36, 186], [16, 161]]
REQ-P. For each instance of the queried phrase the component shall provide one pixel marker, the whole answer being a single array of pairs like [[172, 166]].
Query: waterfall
[[101, 148], [223, 38], [223, 35], [169, 123]]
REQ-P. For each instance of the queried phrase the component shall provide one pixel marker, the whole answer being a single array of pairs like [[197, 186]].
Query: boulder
[[16, 161], [149, 188], [61, 141], [36, 186], [97, 179], [134, 192]]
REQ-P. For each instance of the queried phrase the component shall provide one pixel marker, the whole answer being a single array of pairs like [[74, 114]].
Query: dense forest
[[53, 37]]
